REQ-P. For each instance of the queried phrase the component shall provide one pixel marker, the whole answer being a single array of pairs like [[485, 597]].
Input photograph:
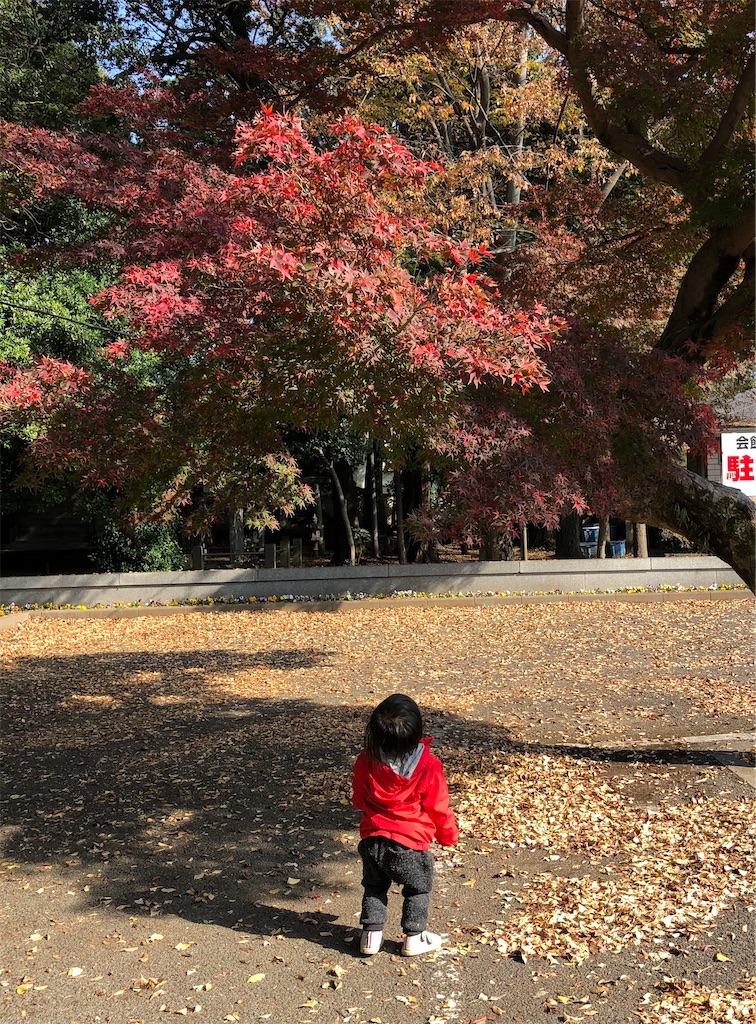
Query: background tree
[[668, 91]]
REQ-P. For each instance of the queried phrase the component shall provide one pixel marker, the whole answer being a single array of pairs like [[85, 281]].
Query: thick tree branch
[[574, 19], [629, 144], [736, 307], [608, 188], [550, 34], [695, 316], [710, 515], [377, 36]]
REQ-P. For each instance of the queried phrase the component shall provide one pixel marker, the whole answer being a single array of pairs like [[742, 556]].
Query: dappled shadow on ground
[[174, 796]]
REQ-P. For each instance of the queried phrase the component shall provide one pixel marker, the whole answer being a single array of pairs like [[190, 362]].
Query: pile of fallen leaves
[[684, 1003], [657, 871]]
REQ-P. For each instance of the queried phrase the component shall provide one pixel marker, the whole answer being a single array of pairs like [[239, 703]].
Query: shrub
[[148, 548]]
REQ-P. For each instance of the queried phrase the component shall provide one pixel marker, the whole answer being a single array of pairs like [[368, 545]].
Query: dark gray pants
[[385, 861]]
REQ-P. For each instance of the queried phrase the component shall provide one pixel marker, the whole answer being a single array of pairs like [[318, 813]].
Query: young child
[[401, 790]]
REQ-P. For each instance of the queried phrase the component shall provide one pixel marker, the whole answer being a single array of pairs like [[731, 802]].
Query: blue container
[[590, 534], [617, 548]]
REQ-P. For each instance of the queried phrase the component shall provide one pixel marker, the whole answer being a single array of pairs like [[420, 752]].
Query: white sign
[[739, 460]]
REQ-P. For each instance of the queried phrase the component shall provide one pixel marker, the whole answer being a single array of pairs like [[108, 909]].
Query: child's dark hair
[[394, 728]]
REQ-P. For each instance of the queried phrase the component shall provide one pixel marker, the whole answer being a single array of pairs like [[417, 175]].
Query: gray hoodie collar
[[406, 764]]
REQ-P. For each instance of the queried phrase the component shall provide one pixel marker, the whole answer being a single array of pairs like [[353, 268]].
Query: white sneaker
[[371, 941], [423, 942]]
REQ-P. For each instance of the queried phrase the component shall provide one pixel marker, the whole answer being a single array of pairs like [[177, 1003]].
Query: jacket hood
[[406, 763], [400, 773]]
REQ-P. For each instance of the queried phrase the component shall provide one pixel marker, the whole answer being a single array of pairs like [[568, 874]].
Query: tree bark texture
[[428, 548], [370, 501], [373, 502], [380, 497], [603, 536], [489, 550], [641, 537], [716, 518], [236, 534]]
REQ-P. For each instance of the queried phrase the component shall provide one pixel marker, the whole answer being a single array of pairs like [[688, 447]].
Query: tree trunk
[[603, 536], [318, 537], [641, 536], [401, 547], [489, 550], [429, 548], [380, 497], [414, 493], [629, 537], [236, 535], [568, 537], [366, 519], [371, 498], [713, 517], [341, 511]]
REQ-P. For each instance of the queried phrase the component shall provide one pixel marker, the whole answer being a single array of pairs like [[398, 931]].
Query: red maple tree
[[292, 286]]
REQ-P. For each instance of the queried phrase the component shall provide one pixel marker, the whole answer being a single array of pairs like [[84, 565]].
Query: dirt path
[[178, 839]]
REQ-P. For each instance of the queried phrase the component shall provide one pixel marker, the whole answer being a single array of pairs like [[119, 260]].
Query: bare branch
[[550, 34]]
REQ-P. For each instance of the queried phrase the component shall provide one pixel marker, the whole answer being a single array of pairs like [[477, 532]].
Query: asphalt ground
[[177, 838]]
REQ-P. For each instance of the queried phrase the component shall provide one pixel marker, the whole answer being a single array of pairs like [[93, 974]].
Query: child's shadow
[[323, 932]]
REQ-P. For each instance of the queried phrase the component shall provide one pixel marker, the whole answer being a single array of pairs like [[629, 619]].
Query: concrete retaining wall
[[465, 577]]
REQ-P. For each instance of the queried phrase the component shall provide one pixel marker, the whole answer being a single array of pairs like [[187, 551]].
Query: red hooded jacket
[[413, 811]]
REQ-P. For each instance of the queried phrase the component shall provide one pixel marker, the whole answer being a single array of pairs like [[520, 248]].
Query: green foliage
[[49, 52], [48, 314], [310, 450], [144, 548], [362, 540]]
